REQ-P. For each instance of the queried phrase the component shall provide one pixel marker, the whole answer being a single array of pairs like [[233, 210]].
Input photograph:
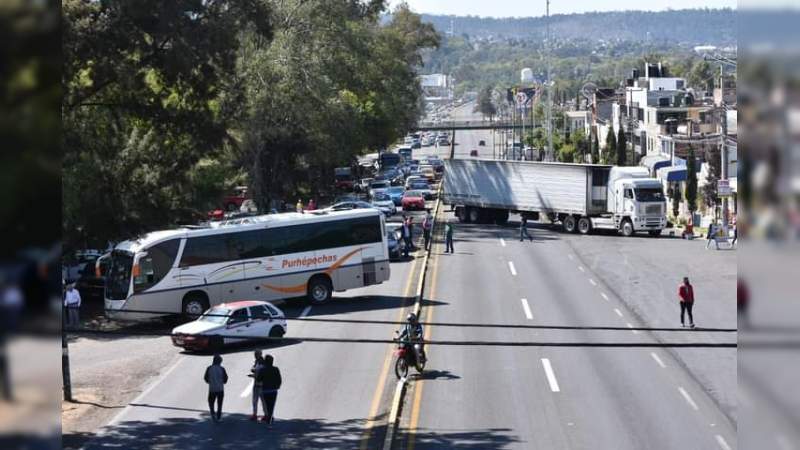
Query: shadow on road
[[437, 375]]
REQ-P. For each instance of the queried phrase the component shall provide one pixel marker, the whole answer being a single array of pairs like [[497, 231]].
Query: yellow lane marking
[[415, 409], [378, 394]]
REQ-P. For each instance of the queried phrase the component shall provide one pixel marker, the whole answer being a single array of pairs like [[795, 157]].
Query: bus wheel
[[194, 304], [319, 290]]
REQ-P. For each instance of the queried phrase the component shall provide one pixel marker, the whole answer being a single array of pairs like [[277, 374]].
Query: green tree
[[485, 105], [701, 76], [709, 190], [691, 181], [610, 152], [622, 148]]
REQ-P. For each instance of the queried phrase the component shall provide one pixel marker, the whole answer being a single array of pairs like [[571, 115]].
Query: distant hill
[[685, 26]]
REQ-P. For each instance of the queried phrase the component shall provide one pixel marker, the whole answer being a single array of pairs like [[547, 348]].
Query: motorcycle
[[408, 354]]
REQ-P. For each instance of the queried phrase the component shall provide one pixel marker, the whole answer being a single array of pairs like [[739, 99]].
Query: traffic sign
[[724, 188]]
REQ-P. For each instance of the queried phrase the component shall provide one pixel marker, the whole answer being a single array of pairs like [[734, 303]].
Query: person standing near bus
[[270, 384], [72, 304], [216, 377]]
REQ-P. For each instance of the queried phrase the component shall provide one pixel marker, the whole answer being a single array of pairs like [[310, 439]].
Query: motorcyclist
[[412, 332]]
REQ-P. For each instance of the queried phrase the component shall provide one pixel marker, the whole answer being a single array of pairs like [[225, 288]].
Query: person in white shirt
[[72, 302]]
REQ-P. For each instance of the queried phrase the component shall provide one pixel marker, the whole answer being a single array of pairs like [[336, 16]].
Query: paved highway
[[581, 396]]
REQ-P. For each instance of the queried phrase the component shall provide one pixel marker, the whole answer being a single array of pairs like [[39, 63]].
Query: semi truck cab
[[636, 201]]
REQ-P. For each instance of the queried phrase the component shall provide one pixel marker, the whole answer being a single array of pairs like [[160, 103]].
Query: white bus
[[270, 257]]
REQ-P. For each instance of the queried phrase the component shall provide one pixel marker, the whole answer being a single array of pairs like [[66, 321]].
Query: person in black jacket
[[270, 383]]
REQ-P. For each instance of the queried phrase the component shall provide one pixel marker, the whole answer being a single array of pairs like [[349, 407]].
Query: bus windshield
[[118, 280], [649, 195]]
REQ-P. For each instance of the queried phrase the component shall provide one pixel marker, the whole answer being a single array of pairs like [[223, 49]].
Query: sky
[[534, 8]]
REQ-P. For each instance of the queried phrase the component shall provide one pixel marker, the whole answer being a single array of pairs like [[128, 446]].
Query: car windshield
[[216, 314], [649, 195], [419, 186], [413, 194], [380, 185], [396, 190], [381, 197]]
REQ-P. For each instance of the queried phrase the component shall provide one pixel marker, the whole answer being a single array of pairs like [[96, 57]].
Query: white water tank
[[526, 75]]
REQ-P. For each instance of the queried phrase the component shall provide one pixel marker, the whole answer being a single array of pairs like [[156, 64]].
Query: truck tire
[[461, 212], [584, 225], [626, 227], [570, 224], [474, 215], [501, 217]]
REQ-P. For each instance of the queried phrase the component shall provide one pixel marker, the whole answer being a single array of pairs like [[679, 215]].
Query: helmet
[[411, 317]]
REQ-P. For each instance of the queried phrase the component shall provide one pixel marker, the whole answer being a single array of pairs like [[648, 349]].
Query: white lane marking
[[658, 360], [688, 398], [591, 280], [619, 313], [512, 269], [144, 393], [306, 311], [502, 242], [722, 443], [527, 309], [247, 390], [581, 268], [634, 331], [569, 255], [551, 377], [605, 297]]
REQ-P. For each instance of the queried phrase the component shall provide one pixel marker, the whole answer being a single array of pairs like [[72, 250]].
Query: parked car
[[358, 204], [343, 178], [413, 200], [91, 278], [394, 242], [482, 143], [378, 186], [473, 153], [396, 194], [229, 323], [383, 200], [233, 201]]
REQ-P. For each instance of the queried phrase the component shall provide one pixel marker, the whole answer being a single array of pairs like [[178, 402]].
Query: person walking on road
[[686, 298], [404, 235], [299, 206], [712, 230], [448, 238], [72, 304], [270, 384], [216, 377], [427, 226], [312, 205], [255, 372], [523, 230]]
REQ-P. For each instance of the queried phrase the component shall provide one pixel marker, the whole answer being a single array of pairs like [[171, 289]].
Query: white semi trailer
[[580, 197]]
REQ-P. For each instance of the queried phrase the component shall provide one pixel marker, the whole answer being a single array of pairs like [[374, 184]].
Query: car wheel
[[276, 332], [216, 343], [319, 290]]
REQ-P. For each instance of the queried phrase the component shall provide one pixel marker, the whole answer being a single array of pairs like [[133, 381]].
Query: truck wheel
[[584, 225], [569, 224], [462, 215], [626, 228], [474, 215]]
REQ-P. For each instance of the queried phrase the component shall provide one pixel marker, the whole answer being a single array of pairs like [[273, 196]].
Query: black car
[[394, 242], [482, 143]]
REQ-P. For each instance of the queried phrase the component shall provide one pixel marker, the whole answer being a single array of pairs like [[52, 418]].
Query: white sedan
[[231, 323]]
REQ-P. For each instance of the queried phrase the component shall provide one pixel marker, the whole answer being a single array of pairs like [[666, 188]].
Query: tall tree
[[610, 152], [709, 190], [622, 148], [691, 181], [485, 105]]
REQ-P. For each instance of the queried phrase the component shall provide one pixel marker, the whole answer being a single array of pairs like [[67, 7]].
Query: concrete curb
[[400, 390]]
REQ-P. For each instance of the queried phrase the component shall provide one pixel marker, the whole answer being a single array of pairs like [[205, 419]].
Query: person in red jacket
[[686, 298]]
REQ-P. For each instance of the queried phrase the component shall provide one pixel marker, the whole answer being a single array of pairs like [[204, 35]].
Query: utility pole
[[549, 88], [724, 154], [65, 360]]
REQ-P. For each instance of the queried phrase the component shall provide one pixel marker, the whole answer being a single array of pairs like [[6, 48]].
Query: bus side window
[[156, 264]]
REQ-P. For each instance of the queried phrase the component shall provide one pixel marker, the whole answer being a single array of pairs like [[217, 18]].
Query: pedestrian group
[[266, 383]]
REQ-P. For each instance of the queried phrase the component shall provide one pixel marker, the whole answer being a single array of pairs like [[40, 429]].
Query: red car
[[413, 200], [234, 201]]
